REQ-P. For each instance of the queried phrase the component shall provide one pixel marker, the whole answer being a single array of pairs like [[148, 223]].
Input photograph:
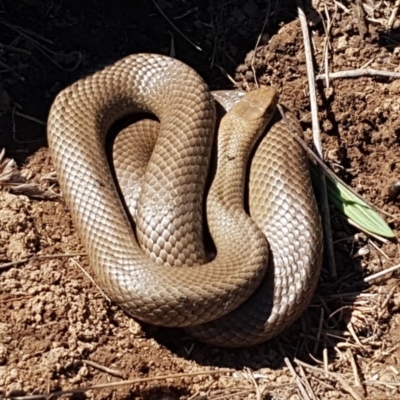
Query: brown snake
[[229, 300]]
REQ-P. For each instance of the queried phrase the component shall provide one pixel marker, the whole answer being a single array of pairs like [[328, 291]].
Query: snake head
[[257, 105]]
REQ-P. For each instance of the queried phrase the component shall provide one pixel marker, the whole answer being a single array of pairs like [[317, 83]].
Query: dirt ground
[[57, 332]]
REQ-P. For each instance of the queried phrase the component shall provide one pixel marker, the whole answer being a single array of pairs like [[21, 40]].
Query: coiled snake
[[153, 273]]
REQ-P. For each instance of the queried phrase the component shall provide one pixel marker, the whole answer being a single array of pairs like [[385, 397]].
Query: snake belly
[[230, 300]]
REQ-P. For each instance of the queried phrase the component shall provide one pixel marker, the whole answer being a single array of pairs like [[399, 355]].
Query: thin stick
[[345, 9], [118, 384], [102, 368], [172, 52], [214, 34], [39, 258], [327, 43], [241, 393], [317, 140], [186, 13], [234, 83], [250, 376], [177, 30], [28, 117], [360, 228], [333, 375], [26, 33], [393, 15], [321, 321], [14, 49], [382, 253], [297, 379], [390, 385], [91, 279], [9, 69], [360, 18], [258, 42], [388, 297], [12, 299], [357, 381], [356, 73], [325, 356], [307, 383], [311, 78], [380, 273], [15, 131]]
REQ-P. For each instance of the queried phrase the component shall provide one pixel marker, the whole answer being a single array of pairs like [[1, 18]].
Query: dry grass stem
[[39, 258], [29, 118], [357, 73], [306, 382], [344, 8], [297, 379], [379, 250], [360, 18], [11, 179], [9, 173], [102, 368], [118, 384], [317, 140], [29, 35], [175, 27], [311, 79], [381, 273], [332, 375], [258, 42], [76, 264], [393, 15]]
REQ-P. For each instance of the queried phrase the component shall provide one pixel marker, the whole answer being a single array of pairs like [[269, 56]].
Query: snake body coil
[[230, 300]]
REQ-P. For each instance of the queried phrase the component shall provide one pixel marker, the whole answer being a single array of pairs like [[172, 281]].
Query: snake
[[259, 209]]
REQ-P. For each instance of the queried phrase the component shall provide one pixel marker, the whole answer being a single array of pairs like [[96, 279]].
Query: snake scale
[[157, 268]]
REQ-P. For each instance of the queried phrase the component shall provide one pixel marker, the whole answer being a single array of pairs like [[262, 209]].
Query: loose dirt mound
[[57, 331]]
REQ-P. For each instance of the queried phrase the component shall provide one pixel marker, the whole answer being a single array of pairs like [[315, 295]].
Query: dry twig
[[110, 385], [332, 375], [102, 368], [317, 140], [360, 18], [28, 34], [175, 27], [73, 261], [311, 79], [393, 15], [297, 379], [357, 73], [11, 178], [258, 42], [39, 258], [380, 274]]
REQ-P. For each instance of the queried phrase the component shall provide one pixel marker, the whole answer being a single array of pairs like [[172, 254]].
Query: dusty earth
[[56, 328]]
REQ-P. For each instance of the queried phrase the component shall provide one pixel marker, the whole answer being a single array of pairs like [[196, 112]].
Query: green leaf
[[353, 207]]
